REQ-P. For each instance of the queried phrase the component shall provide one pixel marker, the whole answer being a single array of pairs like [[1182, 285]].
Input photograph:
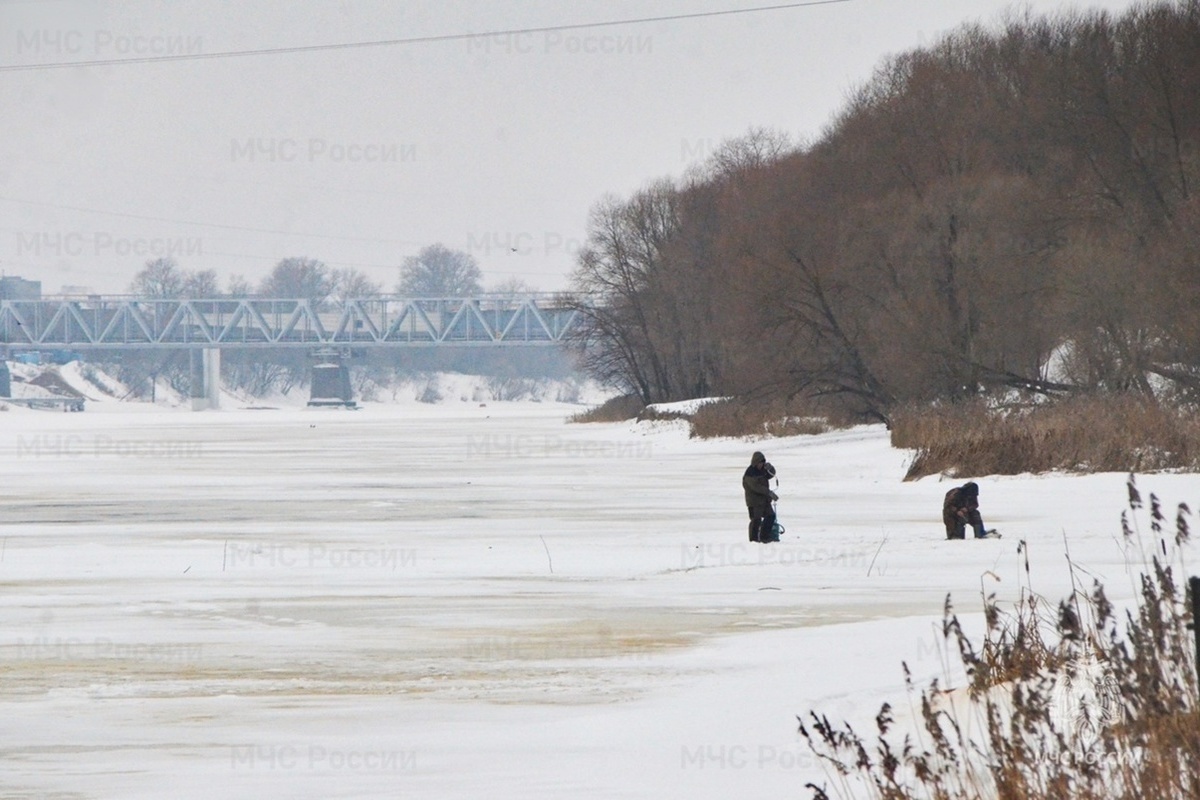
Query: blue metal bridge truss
[[100, 323]]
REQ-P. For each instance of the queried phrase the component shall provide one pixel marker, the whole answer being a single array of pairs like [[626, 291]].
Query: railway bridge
[[330, 330]]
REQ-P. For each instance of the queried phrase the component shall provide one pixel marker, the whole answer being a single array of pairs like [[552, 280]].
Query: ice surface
[[462, 601]]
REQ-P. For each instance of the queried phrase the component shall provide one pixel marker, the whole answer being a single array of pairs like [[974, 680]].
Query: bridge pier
[[330, 384], [205, 378]]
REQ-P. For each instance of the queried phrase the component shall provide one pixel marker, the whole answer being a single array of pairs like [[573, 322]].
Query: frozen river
[[468, 601]]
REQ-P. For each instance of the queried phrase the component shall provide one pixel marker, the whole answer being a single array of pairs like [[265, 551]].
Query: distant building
[[14, 288]]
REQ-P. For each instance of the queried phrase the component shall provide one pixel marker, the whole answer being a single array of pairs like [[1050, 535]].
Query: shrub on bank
[[1112, 433], [727, 417], [741, 418], [616, 409]]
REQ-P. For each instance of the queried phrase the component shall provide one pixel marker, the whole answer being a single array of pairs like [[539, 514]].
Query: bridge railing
[[390, 321]]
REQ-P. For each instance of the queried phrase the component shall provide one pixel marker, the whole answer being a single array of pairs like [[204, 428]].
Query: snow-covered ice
[[470, 601]]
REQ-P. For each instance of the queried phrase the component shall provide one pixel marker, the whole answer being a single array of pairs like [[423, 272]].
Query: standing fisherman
[[757, 485]]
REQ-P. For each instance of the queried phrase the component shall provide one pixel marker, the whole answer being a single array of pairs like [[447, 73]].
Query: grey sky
[[359, 157]]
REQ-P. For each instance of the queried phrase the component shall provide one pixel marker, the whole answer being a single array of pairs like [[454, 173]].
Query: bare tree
[[620, 271], [238, 286], [512, 287], [299, 278], [758, 149], [161, 278], [351, 284], [202, 284], [438, 271]]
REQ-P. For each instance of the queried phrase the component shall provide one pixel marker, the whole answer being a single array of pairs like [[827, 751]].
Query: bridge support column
[[206, 378], [331, 379]]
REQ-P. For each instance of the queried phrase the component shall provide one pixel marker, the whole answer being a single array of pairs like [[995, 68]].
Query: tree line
[[1015, 207], [436, 271]]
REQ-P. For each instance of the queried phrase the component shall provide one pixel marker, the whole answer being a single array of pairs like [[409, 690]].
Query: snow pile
[[99, 386], [25, 391], [92, 382], [31, 382]]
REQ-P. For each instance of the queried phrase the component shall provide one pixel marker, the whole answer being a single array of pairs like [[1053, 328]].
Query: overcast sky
[[497, 145]]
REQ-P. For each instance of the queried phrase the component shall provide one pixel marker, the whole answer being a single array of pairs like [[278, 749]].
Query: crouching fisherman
[[960, 509]]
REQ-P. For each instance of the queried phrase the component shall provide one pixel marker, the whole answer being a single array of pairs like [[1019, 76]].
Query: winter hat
[[971, 489], [757, 458]]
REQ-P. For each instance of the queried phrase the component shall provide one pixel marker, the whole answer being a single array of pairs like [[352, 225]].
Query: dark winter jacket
[[961, 505], [757, 484]]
